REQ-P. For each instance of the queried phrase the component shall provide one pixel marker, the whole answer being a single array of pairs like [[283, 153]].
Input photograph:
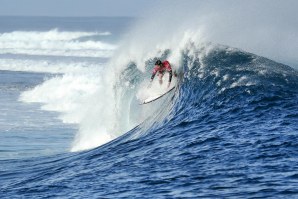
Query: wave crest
[[57, 43]]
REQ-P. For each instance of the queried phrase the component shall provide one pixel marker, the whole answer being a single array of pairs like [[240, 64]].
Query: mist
[[267, 28]]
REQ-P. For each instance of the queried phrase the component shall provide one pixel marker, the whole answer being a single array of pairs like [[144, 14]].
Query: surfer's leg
[[160, 75]]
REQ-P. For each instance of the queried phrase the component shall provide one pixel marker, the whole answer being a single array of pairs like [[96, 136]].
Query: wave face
[[228, 130]]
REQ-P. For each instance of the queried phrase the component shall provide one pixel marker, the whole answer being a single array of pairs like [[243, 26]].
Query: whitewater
[[71, 124]]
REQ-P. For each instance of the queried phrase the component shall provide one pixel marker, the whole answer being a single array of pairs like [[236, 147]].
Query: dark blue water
[[230, 130]]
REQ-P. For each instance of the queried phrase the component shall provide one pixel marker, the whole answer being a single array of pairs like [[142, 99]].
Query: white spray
[[262, 27]]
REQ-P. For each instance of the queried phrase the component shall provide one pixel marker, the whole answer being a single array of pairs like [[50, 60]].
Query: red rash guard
[[166, 66]]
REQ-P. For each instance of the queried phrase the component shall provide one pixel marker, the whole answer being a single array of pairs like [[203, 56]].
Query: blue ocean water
[[229, 130]]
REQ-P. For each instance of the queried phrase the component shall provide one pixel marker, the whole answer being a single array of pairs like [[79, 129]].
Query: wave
[[49, 65], [57, 43], [186, 47], [228, 130], [207, 73], [218, 80], [232, 117]]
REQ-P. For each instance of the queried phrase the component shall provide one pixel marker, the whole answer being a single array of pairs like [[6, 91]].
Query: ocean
[[71, 125]]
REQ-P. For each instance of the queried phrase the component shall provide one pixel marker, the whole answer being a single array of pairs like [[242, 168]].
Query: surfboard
[[156, 97]]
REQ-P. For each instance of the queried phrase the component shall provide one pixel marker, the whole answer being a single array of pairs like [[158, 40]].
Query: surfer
[[160, 68]]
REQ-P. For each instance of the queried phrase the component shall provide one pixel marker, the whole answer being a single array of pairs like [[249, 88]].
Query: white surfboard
[[156, 97]]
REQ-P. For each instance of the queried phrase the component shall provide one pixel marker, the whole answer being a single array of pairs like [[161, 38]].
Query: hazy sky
[[74, 7]]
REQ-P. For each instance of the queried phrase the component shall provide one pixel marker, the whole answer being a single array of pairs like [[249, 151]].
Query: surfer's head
[[158, 63]]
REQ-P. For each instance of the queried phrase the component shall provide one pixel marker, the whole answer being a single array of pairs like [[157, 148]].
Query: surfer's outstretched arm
[[170, 78], [152, 77], [170, 75]]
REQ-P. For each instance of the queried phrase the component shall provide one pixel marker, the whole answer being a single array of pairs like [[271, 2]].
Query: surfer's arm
[[170, 75], [152, 76], [153, 73], [170, 78], [169, 69]]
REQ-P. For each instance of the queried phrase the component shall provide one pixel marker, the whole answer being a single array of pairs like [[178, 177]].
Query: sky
[[75, 7]]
